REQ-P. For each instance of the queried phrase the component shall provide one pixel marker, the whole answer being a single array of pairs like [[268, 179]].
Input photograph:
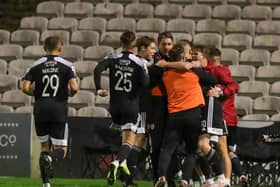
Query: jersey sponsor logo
[[6, 140]]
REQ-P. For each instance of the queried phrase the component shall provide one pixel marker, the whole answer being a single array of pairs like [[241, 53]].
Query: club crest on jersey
[[124, 62]]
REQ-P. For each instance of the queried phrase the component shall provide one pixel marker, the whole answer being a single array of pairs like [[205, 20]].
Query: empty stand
[[168, 11], [15, 98], [24, 109], [238, 41], [268, 27], [62, 34], [255, 57], [275, 117], [268, 73], [276, 13], [72, 52], [35, 23], [108, 10], [229, 56], [18, 67], [83, 98], [8, 82], [150, 34], [275, 58], [211, 26], [6, 109], [139, 10], [226, 12], [181, 26], [97, 52], [72, 112], [150, 25], [154, 2], [275, 89], [254, 88], [3, 67], [269, 42], [85, 68], [50, 9], [197, 12], [181, 36], [111, 39], [121, 24], [93, 24], [34, 52], [243, 105], [4, 36], [102, 101], [182, 2], [266, 105], [241, 26], [242, 72], [93, 112], [63, 23], [256, 117], [78, 9], [25, 37], [208, 39], [85, 38], [88, 84], [210, 2], [256, 12], [268, 2], [10, 51]]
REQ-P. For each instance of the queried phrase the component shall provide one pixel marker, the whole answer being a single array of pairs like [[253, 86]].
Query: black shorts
[[212, 118], [56, 131], [126, 114]]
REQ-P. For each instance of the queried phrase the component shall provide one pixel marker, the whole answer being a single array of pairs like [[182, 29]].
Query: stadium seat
[[35, 23], [84, 68], [18, 67], [78, 9], [226, 12], [108, 10], [72, 112], [93, 24], [266, 105], [276, 13], [243, 105], [275, 58], [62, 34], [242, 72], [208, 39], [268, 73], [182, 2], [15, 98], [8, 82], [241, 26], [50, 9], [273, 3], [269, 42], [181, 36], [6, 109], [93, 112], [85, 38], [125, 2], [3, 67], [241, 3], [211, 26], [139, 10], [268, 27], [153, 2], [256, 12], [121, 24], [253, 88], [63, 23], [102, 101], [256, 117], [72, 52], [81, 99], [229, 56], [150, 34], [4, 36], [34, 52], [181, 26], [275, 117], [10, 52], [24, 109], [238, 41], [25, 37], [275, 89], [88, 84], [168, 11], [150, 25], [210, 2], [97, 52], [111, 39], [196, 12], [255, 57]]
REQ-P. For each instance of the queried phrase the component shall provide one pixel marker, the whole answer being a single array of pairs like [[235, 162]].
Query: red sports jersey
[[230, 88]]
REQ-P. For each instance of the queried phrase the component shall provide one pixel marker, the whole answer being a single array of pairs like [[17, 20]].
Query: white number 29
[[53, 82]]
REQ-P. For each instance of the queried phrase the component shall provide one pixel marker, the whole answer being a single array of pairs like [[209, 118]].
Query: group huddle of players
[[182, 98]]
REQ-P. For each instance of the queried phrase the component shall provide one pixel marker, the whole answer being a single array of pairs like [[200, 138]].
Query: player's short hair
[[127, 38], [177, 53], [185, 42], [144, 41], [51, 43], [164, 35], [214, 52]]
